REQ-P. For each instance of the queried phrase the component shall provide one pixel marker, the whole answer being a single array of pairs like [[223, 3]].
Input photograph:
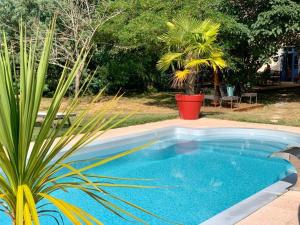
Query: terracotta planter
[[189, 106]]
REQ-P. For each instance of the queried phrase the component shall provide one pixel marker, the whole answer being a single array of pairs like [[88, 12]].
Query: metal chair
[[226, 98], [249, 95], [213, 98], [58, 116]]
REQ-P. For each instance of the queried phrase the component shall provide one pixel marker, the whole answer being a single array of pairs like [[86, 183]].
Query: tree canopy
[[127, 47]]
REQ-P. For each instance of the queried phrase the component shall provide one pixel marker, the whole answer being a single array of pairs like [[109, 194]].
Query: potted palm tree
[[191, 48]]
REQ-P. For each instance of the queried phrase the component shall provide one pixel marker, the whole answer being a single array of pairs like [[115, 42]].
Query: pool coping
[[241, 209], [109, 140], [251, 204]]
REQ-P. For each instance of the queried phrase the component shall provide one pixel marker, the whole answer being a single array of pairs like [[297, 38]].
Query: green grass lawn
[[254, 118], [133, 120], [280, 107], [147, 118]]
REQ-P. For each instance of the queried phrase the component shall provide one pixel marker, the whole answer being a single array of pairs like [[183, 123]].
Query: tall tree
[[272, 24], [77, 21], [277, 27]]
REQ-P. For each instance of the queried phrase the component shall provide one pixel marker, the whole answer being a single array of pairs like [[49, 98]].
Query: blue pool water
[[200, 177]]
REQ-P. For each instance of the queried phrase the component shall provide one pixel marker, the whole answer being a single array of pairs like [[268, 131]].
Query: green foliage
[[133, 37], [271, 24], [276, 27], [127, 71], [127, 45], [245, 12], [32, 12], [137, 25]]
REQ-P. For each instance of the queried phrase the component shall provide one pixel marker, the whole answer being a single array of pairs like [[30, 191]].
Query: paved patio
[[285, 210], [282, 211]]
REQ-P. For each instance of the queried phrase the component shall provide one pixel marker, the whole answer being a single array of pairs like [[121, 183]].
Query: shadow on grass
[[211, 114], [265, 97], [163, 99], [167, 99], [134, 120], [282, 95]]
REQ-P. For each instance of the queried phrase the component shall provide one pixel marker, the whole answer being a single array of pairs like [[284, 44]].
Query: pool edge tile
[[251, 204]]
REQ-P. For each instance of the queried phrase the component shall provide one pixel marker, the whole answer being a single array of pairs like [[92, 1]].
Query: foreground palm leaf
[[30, 172], [191, 47]]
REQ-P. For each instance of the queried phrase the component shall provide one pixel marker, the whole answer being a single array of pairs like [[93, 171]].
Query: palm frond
[[217, 60], [182, 75], [195, 63], [166, 60]]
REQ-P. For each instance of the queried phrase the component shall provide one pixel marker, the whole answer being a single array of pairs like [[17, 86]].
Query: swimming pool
[[202, 172]]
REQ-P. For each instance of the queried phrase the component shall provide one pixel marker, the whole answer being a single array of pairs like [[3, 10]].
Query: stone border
[[107, 144], [249, 205]]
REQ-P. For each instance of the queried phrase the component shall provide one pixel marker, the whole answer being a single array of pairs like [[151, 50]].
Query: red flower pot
[[189, 106]]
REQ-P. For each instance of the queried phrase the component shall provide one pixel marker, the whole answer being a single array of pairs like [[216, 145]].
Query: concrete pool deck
[[284, 210]]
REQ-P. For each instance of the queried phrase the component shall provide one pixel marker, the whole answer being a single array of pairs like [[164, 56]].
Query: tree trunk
[[216, 87], [216, 81], [190, 83], [77, 80]]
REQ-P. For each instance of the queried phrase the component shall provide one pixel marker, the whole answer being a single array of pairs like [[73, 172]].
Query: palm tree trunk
[[190, 84], [216, 87]]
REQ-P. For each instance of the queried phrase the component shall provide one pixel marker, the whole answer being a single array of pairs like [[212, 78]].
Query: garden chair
[[249, 95], [226, 98], [59, 116], [211, 97], [246, 93]]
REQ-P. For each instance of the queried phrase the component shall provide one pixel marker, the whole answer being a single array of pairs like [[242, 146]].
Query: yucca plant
[[32, 171], [191, 46]]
